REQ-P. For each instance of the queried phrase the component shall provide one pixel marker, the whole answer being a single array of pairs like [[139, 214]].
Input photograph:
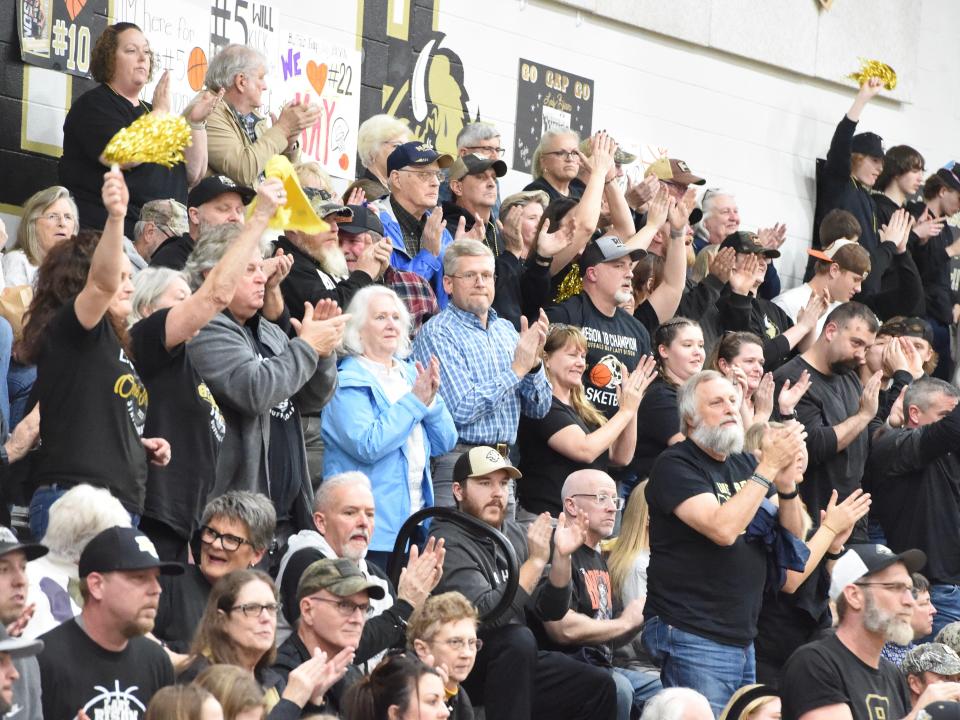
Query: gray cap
[[18, 647], [167, 214], [950, 635], [932, 657]]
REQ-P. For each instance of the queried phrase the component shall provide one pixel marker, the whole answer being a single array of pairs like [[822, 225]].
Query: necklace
[[140, 103]]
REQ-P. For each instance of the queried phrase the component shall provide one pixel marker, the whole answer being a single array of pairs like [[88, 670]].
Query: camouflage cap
[[620, 156], [169, 215], [932, 657], [339, 576], [950, 636]]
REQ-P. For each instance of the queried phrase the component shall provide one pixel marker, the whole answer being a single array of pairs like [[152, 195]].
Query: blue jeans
[[687, 660], [946, 599], [40, 504], [634, 688]]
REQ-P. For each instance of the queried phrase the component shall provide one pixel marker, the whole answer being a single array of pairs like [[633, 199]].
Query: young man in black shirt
[[705, 581], [837, 408], [915, 474], [843, 676], [100, 662]]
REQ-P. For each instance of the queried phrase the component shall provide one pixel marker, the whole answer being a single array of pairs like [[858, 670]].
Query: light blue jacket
[[363, 430], [424, 264]]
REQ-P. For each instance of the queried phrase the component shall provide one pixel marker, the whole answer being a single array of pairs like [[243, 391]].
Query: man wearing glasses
[[410, 215], [334, 598], [596, 620], [843, 676], [477, 138]]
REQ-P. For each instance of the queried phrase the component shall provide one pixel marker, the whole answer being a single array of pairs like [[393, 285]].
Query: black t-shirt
[[94, 411], [610, 341], [76, 673], [830, 400], [543, 468], [574, 189], [182, 603], [173, 252], [658, 420], [93, 120], [185, 413], [592, 594], [647, 315], [826, 673], [693, 583]]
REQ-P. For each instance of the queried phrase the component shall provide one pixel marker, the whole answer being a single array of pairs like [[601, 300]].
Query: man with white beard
[[706, 576], [843, 676]]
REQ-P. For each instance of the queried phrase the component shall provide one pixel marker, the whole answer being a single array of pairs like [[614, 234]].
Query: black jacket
[[901, 291], [747, 313], [294, 653], [173, 252]]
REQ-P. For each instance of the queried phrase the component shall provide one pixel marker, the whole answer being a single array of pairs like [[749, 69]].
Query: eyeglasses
[[498, 151], [230, 543], [57, 218], [603, 499], [425, 175], [255, 610], [472, 277], [346, 607], [458, 643], [897, 588], [564, 154]]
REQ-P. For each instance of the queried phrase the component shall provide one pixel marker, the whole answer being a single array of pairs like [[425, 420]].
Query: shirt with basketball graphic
[[94, 411], [78, 674], [187, 417], [610, 341]]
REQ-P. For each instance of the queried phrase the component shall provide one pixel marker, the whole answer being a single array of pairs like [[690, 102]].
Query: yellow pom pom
[[875, 69], [150, 138], [572, 284]]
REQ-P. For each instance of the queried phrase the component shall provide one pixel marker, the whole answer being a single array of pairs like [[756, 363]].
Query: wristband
[[541, 260], [789, 495], [834, 556], [761, 480], [199, 126]]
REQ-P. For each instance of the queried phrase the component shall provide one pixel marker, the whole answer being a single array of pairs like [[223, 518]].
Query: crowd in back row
[[539, 361]]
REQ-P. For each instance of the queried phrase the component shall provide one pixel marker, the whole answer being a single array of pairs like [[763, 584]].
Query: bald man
[[596, 619]]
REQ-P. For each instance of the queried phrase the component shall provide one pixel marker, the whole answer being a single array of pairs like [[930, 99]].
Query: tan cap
[[168, 215], [675, 171], [482, 460]]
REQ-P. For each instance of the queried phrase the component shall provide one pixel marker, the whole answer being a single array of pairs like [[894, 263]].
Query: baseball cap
[[482, 460], [950, 635], [939, 711], [674, 170], [950, 178], [606, 249], [364, 220], [325, 207], [746, 242], [900, 326], [743, 697], [118, 549], [932, 657], [18, 647], [828, 254], [620, 156], [9, 542], [474, 165], [168, 214], [416, 153], [215, 186], [339, 576], [867, 143], [867, 559]]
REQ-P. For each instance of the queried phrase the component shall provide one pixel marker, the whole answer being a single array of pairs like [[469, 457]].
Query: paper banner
[[59, 34]]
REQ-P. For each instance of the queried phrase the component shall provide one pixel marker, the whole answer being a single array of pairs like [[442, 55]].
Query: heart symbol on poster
[[74, 7], [317, 75]]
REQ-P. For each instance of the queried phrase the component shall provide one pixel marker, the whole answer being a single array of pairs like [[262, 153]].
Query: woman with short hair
[[378, 136]]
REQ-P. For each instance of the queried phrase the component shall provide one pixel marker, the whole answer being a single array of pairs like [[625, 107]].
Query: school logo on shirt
[[597, 583], [878, 706], [606, 373], [115, 704], [129, 388], [283, 410], [217, 426]]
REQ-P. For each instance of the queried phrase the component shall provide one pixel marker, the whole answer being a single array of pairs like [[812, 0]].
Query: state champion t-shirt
[[610, 341]]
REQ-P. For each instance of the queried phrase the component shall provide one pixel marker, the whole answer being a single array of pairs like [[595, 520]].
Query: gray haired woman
[[49, 217]]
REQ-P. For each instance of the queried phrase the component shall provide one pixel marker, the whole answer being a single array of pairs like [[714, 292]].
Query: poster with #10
[[59, 34]]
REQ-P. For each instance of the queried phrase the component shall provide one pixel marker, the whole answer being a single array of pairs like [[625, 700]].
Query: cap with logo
[[416, 153], [338, 576], [830, 251], [932, 657], [364, 220], [606, 249], [166, 214], [867, 559], [939, 711], [474, 165], [482, 460], [674, 171], [9, 542], [867, 143], [215, 186], [620, 156], [324, 206], [746, 243], [18, 647], [120, 549]]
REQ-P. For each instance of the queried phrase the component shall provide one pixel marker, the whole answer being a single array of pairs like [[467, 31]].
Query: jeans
[[40, 504], [946, 599], [687, 660], [634, 688]]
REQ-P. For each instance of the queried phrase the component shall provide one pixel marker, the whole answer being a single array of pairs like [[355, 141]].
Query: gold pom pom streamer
[[572, 284], [150, 138], [875, 69]]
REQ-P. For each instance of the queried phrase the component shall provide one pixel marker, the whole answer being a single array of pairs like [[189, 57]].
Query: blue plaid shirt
[[480, 389]]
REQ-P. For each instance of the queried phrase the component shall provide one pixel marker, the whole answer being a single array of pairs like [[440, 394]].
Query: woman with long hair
[[235, 689], [183, 702], [574, 435], [49, 217], [401, 687], [630, 554]]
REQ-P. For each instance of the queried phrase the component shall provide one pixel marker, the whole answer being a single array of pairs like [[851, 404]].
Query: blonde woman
[[630, 554], [49, 217]]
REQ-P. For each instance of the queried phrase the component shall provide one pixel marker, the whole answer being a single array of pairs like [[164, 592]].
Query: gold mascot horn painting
[[420, 80]]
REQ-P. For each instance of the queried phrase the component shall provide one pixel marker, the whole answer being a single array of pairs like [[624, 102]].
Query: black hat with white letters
[[120, 549]]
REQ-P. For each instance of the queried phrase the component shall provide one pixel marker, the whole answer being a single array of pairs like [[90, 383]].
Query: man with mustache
[[99, 662], [705, 581], [843, 676], [837, 408]]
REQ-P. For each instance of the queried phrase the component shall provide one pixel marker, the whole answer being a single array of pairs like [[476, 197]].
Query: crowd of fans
[[673, 486]]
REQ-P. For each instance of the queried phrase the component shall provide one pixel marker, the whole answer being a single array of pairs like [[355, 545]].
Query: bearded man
[[706, 578]]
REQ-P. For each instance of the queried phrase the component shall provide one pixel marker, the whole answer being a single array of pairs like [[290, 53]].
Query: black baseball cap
[[746, 242], [606, 249], [867, 143], [474, 165], [950, 178], [940, 711], [416, 153], [215, 186], [867, 559], [118, 549], [364, 220], [9, 543]]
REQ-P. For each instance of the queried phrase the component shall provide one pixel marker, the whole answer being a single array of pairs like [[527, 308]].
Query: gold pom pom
[[875, 69], [150, 138], [572, 285]]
